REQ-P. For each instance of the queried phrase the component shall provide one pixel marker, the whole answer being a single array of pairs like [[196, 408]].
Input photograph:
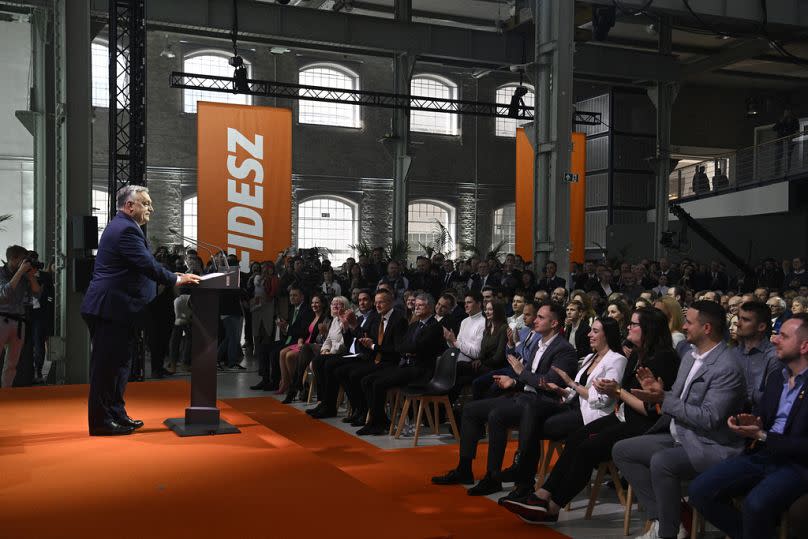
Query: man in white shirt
[[692, 434], [467, 341]]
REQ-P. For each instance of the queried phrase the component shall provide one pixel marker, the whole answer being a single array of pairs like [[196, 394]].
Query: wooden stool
[[604, 467], [309, 377], [433, 418], [553, 447]]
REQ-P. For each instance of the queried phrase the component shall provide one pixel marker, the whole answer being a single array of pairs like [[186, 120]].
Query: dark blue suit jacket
[[126, 273], [792, 445]]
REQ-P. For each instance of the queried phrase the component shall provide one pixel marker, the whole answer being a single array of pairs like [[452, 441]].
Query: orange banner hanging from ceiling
[[244, 179], [525, 197]]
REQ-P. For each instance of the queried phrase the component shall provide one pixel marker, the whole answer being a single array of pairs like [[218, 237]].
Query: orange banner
[[524, 196], [578, 199], [525, 186], [244, 179]]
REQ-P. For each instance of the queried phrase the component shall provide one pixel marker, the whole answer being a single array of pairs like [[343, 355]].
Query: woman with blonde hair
[[588, 312], [673, 311]]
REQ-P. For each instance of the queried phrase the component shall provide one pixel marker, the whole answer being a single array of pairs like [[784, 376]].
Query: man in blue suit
[[124, 281], [773, 471]]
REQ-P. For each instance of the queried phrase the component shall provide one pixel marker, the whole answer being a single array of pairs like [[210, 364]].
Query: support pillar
[[76, 171], [402, 74], [663, 96], [552, 73]]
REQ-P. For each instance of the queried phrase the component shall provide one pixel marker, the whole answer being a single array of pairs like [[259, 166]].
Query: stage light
[[751, 107], [603, 19], [517, 102], [239, 75]]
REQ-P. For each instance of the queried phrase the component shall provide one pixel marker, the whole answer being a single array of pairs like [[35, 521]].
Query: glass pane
[[189, 215], [211, 65], [441, 123], [322, 113], [506, 127], [504, 228], [329, 223]]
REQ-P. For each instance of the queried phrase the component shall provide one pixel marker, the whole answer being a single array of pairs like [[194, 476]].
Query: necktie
[[294, 317], [525, 346], [380, 337]]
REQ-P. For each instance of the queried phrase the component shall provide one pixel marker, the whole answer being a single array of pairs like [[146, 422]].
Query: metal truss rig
[[290, 90], [127, 95]]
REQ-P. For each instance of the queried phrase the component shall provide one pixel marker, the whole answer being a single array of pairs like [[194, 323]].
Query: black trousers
[[500, 414], [465, 376], [325, 367], [376, 384], [350, 377], [554, 421], [586, 448], [110, 363], [269, 361]]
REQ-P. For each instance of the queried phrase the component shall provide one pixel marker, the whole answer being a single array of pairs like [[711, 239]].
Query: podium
[[202, 416]]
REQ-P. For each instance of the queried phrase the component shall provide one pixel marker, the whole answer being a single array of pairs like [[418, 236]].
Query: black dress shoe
[[290, 397], [128, 421], [111, 428], [487, 485], [372, 430], [324, 413], [351, 418], [312, 411], [519, 494], [259, 386], [454, 477], [359, 421], [508, 475]]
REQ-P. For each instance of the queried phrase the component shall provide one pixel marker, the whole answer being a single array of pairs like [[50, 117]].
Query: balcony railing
[[774, 161]]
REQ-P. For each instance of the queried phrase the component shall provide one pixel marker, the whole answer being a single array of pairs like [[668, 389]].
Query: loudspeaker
[[82, 273], [85, 232]]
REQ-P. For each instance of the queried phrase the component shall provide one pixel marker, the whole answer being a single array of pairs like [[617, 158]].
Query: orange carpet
[[285, 475]]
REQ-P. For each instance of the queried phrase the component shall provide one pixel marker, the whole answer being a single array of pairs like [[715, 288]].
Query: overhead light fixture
[[279, 50], [240, 84], [168, 51], [517, 102], [752, 109]]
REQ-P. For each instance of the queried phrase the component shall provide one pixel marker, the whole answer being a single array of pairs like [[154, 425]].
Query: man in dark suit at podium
[[124, 281]]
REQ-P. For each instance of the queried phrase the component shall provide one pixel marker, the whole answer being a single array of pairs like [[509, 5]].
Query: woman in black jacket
[[592, 444]]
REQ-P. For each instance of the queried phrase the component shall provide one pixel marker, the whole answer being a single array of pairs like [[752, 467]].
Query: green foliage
[[362, 248], [399, 250], [5, 217]]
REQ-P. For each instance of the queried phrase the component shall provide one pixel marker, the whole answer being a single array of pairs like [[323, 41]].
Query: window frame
[[498, 120], [354, 207], [347, 72], [102, 42], [219, 54], [454, 93], [451, 213], [195, 236], [510, 245]]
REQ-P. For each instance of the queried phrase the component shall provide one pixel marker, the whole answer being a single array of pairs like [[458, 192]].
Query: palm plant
[[363, 248], [5, 217], [399, 250]]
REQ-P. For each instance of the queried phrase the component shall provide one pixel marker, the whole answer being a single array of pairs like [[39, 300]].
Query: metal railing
[[778, 160]]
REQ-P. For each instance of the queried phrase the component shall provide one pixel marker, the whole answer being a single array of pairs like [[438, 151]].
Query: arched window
[[430, 223], [440, 123], [504, 228], [329, 222], [506, 127], [100, 209], [189, 216], [211, 63], [322, 113], [99, 63]]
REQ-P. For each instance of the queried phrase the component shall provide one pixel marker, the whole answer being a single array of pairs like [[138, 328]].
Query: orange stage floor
[[285, 475]]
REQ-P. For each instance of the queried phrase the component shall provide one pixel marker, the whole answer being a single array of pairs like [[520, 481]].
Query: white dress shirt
[[470, 337], [541, 348]]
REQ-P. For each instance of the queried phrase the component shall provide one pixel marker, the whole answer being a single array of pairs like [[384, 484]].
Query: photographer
[[18, 285]]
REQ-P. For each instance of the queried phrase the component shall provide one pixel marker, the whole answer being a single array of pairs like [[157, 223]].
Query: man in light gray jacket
[[692, 435]]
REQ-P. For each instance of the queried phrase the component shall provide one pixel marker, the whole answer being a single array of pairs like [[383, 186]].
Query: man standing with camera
[[18, 285]]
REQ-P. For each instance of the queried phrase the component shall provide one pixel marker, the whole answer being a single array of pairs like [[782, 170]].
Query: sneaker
[[652, 533], [531, 504]]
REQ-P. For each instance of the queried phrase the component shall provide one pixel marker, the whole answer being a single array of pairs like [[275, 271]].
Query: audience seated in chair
[[772, 473], [592, 444], [692, 434], [532, 398]]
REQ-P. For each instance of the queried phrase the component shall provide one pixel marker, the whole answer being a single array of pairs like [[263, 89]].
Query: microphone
[[204, 245]]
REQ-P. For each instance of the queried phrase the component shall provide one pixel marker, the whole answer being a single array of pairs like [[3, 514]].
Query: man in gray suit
[[692, 435]]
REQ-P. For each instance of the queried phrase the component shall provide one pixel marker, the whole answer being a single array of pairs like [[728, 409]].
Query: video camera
[[35, 263]]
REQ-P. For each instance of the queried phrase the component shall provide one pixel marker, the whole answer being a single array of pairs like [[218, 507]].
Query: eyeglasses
[[633, 324]]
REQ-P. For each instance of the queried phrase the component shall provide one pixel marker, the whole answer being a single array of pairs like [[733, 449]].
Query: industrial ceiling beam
[[325, 28], [591, 59], [781, 15], [726, 56]]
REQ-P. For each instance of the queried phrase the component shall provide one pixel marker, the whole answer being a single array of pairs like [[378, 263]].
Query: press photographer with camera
[[18, 285]]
